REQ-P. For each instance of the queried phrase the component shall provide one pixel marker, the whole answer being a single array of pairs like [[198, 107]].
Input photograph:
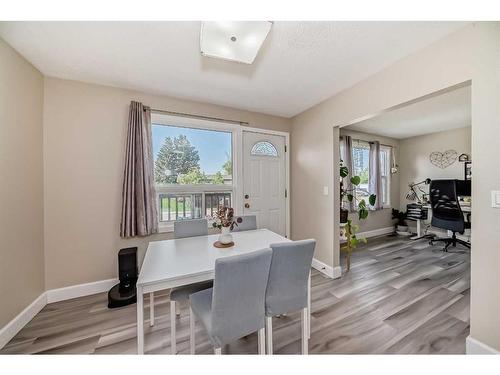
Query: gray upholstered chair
[[182, 229], [234, 307], [288, 284], [190, 228], [249, 223]]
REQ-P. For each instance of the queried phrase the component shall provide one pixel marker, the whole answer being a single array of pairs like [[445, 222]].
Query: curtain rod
[[371, 142], [381, 144], [200, 117]]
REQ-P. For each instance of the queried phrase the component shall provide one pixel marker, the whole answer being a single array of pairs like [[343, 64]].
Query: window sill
[[166, 228]]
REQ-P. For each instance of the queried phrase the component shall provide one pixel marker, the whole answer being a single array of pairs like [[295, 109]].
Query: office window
[[385, 174], [361, 167], [192, 170]]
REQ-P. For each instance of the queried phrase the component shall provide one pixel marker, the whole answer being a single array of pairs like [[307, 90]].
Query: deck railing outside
[[191, 206]]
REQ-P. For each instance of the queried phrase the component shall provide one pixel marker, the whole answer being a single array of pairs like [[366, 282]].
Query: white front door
[[264, 180]]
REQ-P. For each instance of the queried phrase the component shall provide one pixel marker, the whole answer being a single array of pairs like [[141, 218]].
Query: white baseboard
[[376, 232], [8, 331], [53, 295], [473, 346], [80, 290], [332, 272], [373, 233]]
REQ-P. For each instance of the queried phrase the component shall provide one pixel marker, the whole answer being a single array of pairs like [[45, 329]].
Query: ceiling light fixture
[[234, 41]]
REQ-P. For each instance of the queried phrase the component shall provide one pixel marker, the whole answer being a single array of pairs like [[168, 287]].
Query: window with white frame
[[385, 175], [361, 168], [193, 168]]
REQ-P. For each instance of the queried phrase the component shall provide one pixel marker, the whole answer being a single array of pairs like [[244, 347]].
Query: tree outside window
[[178, 162], [192, 171]]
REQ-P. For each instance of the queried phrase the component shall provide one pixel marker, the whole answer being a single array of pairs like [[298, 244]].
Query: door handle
[[247, 205], [247, 196]]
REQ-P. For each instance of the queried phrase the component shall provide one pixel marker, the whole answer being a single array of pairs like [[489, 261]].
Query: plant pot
[[344, 215], [402, 228], [225, 236]]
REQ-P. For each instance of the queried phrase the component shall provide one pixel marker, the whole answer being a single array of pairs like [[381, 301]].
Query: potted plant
[[349, 195], [224, 220], [350, 229], [401, 225]]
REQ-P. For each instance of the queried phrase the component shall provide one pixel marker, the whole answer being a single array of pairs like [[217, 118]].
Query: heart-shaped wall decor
[[443, 159]]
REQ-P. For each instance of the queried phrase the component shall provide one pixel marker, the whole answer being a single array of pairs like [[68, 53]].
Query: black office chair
[[446, 212]]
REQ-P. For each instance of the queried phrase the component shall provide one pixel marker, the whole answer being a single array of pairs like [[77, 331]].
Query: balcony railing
[[214, 200], [187, 206]]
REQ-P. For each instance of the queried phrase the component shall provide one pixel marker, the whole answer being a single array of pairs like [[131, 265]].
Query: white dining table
[[184, 261]]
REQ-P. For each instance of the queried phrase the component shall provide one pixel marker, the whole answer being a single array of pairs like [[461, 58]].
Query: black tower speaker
[[124, 293]]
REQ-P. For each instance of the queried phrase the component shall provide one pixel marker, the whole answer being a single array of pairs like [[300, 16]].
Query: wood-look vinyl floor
[[400, 296]]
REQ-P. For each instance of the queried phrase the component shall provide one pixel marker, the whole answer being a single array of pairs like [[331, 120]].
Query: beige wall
[[21, 187], [485, 277], [414, 160], [472, 53], [84, 138], [382, 218]]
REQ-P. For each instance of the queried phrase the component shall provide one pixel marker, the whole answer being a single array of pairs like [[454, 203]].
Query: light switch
[[495, 199], [325, 190]]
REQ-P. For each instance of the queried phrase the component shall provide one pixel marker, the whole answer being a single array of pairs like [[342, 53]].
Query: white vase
[[225, 236]]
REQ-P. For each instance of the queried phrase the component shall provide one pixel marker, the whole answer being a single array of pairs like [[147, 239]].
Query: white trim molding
[[8, 331], [373, 233], [473, 346], [332, 272], [80, 290], [50, 296], [376, 232]]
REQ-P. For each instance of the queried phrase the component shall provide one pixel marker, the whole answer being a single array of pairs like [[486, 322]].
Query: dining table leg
[[140, 321]]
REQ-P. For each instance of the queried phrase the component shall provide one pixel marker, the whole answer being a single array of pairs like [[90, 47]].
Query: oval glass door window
[[264, 148]]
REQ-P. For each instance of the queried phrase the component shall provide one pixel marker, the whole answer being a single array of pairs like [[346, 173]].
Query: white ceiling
[[451, 110], [299, 65]]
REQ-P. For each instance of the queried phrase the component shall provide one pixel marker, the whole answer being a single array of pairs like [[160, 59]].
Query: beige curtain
[[346, 155], [139, 212], [375, 182]]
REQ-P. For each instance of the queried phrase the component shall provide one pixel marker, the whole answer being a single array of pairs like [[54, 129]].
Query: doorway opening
[[410, 250]]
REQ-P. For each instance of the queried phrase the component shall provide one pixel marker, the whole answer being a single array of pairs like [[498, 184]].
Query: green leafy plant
[[351, 229], [194, 176], [352, 241], [349, 195]]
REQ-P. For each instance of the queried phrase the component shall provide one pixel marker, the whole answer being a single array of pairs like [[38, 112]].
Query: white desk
[[178, 262]]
